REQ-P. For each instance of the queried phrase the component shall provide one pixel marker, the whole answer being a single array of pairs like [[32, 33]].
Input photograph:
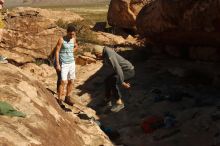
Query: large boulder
[[111, 39], [31, 34], [45, 124], [187, 22], [122, 13]]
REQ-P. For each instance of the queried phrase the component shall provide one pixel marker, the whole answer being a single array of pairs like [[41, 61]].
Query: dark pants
[[112, 88]]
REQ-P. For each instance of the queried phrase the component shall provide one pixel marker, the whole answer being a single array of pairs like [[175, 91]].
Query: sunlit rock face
[[32, 33], [122, 13], [45, 124]]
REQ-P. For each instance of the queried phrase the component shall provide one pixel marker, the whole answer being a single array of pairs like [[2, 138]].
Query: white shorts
[[68, 71]]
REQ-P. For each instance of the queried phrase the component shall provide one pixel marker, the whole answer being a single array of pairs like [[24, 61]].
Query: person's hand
[[75, 49], [126, 85], [58, 68]]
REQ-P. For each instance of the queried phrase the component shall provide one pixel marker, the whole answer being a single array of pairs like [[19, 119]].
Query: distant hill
[[13, 3]]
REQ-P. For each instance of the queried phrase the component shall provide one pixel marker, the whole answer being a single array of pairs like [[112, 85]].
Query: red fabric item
[[148, 125]]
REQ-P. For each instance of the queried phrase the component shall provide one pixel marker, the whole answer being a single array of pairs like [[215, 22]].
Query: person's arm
[[117, 68], [75, 45], [58, 47], [119, 72], [110, 56]]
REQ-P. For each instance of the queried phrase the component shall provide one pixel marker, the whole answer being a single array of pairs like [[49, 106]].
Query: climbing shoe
[[116, 108]]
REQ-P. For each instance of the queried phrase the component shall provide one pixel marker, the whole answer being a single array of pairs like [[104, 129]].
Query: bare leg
[[119, 101], [69, 92], [61, 90], [69, 87], [58, 80]]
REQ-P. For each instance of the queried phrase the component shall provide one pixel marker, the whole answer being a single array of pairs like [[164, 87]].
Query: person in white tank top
[[65, 65]]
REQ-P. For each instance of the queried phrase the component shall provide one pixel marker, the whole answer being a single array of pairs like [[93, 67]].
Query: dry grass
[[91, 15], [1, 22]]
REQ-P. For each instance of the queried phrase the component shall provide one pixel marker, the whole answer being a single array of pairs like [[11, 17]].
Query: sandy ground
[[189, 91], [189, 95]]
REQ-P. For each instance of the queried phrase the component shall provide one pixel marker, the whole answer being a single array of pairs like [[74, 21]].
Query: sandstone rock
[[133, 40], [122, 13], [17, 57], [86, 47], [110, 39], [84, 60], [28, 36], [42, 71], [89, 54], [12, 14], [137, 5], [45, 123], [50, 14], [181, 22]]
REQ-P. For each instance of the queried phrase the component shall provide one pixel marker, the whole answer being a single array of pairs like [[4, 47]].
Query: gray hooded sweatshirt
[[119, 64]]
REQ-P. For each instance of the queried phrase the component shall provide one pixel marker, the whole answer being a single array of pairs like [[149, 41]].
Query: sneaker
[[68, 101], [116, 108], [109, 104]]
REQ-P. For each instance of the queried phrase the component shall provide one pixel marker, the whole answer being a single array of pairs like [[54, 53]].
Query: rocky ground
[[181, 92], [190, 95], [45, 122], [185, 92]]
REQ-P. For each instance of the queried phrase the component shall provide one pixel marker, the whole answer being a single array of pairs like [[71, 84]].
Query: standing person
[[65, 64], [123, 70]]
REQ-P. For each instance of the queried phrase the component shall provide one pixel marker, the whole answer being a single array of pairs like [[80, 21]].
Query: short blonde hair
[[98, 49]]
